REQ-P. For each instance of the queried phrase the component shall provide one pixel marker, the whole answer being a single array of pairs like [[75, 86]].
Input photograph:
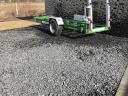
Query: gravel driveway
[[33, 63]]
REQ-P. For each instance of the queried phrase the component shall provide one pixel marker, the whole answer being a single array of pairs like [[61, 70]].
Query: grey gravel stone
[[67, 8], [33, 63]]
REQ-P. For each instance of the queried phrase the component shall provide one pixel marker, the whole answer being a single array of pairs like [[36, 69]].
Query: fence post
[[17, 12]]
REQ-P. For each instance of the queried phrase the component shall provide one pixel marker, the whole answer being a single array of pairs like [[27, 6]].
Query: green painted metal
[[41, 18], [97, 30], [80, 26], [75, 25]]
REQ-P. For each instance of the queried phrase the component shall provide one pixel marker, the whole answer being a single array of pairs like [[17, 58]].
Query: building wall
[[66, 8]]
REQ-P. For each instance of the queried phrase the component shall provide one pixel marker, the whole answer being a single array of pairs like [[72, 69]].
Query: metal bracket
[[59, 20]]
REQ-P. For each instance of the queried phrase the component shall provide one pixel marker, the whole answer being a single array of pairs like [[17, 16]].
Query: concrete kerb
[[123, 87]]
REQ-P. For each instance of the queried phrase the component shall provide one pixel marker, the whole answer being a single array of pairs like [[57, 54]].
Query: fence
[[13, 1], [10, 9]]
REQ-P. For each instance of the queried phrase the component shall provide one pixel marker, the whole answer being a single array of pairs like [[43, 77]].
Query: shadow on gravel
[[43, 36], [67, 33], [115, 31], [119, 31], [44, 29]]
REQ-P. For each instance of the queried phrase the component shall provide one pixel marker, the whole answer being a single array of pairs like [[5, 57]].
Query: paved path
[[16, 24], [123, 88]]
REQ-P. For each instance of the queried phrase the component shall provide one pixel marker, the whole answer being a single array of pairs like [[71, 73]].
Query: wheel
[[55, 29]]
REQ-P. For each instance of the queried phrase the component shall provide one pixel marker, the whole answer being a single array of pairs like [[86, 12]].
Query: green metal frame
[[75, 25], [41, 18], [80, 26]]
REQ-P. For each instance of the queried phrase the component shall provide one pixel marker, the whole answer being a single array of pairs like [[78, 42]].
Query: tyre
[[55, 29]]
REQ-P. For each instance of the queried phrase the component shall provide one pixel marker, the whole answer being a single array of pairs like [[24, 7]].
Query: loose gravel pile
[[33, 63], [67, 9]]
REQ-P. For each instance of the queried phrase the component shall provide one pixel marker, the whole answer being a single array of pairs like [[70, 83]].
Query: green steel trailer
[[81, 23]]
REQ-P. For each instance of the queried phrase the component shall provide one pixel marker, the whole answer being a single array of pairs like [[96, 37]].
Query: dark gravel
[[33, 63]]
